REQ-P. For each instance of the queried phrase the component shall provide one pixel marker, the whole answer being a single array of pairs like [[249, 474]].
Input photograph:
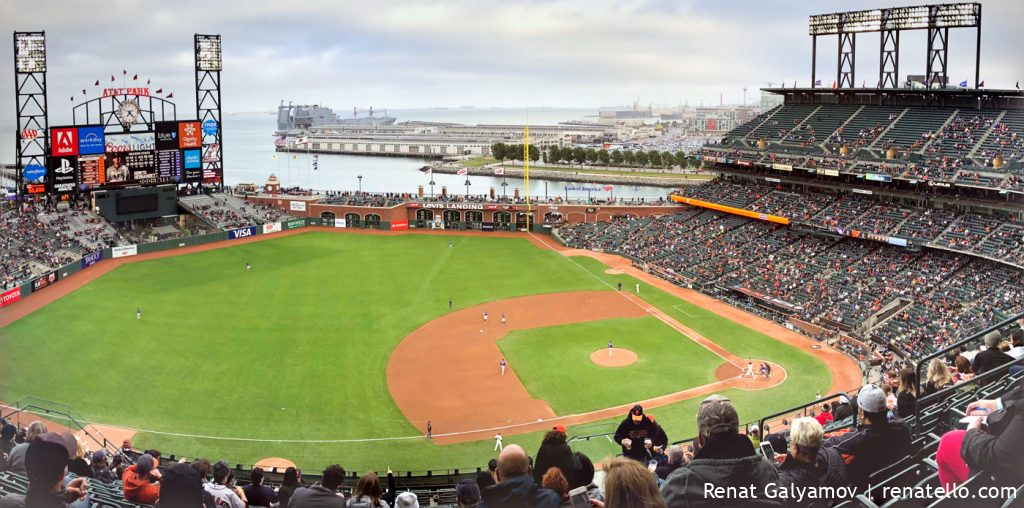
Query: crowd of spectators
[[226, 211], [38, 237]]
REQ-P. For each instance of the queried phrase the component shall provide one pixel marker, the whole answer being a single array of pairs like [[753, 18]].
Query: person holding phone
[[991, 443]]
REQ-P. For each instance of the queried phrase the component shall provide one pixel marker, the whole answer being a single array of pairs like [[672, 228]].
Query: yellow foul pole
[[526, 168]]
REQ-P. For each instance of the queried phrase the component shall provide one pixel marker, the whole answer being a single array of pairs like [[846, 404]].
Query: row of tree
[[579, 155]]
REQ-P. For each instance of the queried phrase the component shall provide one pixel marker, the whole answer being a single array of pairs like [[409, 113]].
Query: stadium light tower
[[937, 19], [31, 141]]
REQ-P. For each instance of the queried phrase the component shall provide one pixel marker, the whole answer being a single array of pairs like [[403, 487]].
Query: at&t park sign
[[110, 92]]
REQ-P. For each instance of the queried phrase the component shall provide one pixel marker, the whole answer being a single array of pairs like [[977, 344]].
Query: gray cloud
[[488, 53]]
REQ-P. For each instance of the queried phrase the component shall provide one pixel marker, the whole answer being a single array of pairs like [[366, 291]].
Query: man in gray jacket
[[725, 471], [17, 456], [324, 495]]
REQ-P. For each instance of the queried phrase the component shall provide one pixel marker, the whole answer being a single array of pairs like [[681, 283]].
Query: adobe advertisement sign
[[64, 141]]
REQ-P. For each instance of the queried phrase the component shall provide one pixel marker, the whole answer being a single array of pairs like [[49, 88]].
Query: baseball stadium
[[847, 279]]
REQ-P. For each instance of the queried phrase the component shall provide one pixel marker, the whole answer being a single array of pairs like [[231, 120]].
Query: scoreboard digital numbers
[[85, 158]]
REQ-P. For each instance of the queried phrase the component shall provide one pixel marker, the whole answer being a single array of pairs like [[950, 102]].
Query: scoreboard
[[86, 158]]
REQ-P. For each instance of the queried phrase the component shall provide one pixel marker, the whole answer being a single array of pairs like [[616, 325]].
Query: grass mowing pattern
[[220, 351], [548, 360]]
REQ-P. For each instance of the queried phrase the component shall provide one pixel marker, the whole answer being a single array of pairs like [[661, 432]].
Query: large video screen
[[85, 158]]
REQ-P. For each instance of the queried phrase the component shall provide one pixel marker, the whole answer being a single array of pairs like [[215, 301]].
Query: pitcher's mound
[[619, 357], [272, 462]]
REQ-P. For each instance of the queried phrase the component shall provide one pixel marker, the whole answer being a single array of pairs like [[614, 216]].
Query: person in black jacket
[[634, 430], [553, 452], [991, 357], [876, 443], [906, 398], [807, 465], [725, 459], [516, 487], [843, 409], [992, 444]]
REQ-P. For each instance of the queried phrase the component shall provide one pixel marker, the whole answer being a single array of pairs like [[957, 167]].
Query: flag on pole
[[124, 71], [430, 173], [462, 172], [147, 82], [302, 141], [135, 77], [833, 85], [817, 82], [499, 171], [170, 95], [97, 83], [159, 90], [83, 91], [981, 85], [111, 78], [1018, 84], [963, 84]]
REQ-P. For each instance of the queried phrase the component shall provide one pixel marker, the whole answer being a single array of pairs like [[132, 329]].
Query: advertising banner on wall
[[63, 175], [189, 135], [92, 258], [167, 136], [193, 164], [297, 206], [168, 166], [294, 224], [130, 142], [123, 252], [43, 281], [339, 223], [400, 225], [91, 140], [63, 141], [242, 233], [9, 297], [273, 227]]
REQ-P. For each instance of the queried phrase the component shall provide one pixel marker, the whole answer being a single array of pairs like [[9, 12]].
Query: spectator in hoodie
[[140, 481], [628, 484], [221, 487], [256, 493], [843, 409], [825, 416], [553, 452], [724, 458], [634, 430], [516, 486], [368, 493], [291, 481], [876, 443], [324, 495]]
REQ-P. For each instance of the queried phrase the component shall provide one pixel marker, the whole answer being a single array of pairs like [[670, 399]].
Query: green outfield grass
[[550, 359], [297, 348]]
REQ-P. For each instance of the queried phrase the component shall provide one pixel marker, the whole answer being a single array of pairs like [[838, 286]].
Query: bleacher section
[[225, 211]]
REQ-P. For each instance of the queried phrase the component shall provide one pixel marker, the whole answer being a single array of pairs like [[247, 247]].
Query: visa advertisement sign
[[235, 234]]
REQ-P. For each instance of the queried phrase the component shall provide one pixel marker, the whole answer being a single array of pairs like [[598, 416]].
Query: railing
[[33, 408]]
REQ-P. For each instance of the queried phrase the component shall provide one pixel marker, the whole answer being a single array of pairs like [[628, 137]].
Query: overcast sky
[[407, 54]]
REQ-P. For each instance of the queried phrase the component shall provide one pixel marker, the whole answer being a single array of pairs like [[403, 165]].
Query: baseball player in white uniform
[[497, 443], [750, 369], [502, 364]]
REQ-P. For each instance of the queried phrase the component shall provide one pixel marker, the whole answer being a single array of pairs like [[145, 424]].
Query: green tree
[[591, 156], [668, 159], [630, 157], [681, 159], [603, 156], [579, 154], [655, 157], [641, 158], [554, 154], [534, 153], [617, 158], [498, 151]]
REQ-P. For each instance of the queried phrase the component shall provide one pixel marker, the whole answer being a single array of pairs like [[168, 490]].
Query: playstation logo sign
[[65, 167]]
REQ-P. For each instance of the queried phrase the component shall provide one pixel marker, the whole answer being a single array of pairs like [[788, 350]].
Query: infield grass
[[296, 349]]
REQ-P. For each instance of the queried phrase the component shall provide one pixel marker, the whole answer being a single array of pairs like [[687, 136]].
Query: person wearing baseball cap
[[46, 460], [634, 430], [140, 481], [181, 487], [100, 467], [725, 458], [876, 443], [554, 451]]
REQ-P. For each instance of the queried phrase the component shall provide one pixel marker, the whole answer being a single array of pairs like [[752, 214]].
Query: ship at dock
[[292, 118]]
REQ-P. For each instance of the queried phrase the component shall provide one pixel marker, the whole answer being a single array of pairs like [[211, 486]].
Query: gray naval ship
[[303, 117]]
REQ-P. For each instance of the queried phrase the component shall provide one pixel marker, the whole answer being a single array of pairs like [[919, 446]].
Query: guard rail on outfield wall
[[48, 279]]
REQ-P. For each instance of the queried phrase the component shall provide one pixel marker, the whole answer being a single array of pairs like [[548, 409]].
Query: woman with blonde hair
[[938, 377], [628, 484]]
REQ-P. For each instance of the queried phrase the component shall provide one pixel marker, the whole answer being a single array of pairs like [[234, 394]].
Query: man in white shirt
[[222, 494], [497, 443]]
